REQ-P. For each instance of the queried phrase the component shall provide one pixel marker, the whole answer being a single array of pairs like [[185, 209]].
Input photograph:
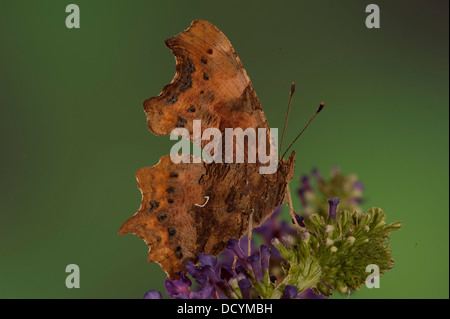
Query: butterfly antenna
[[287, 114], [306, 126]]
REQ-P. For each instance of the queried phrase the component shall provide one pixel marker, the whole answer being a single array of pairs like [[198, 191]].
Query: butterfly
[[193, 208]]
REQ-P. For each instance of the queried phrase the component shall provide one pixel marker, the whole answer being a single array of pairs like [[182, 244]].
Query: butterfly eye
[[191, 109]]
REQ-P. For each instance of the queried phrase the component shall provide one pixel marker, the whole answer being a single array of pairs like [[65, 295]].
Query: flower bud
[[351, 240], [332, 207], [329, 230]]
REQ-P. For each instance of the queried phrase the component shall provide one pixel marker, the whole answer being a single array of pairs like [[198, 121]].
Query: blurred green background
[[73, 131]]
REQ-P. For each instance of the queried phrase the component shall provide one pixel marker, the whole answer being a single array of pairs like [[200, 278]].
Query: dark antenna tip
[[320, 107], [292, 88]]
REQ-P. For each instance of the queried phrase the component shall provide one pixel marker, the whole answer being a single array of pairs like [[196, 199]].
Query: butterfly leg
[[250, 230], [291, 208]]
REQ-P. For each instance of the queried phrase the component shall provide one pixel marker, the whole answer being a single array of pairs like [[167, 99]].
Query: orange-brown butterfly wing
[[188, 209], [169, 192], [210, 85]]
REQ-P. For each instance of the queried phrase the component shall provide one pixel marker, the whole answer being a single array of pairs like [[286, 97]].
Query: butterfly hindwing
[[169, 191], [191, 208]]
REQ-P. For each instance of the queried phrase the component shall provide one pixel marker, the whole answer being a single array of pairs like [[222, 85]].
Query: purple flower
[[178, 288], [299, 220], [206, 292], [274, 228], [245, 286], [225, 259], [241, 269], [215, 278], [192, 269], [243, 242], [181, 288], [209, 277], [332, 208], [233, 244], [265, 256], [317, 175], [301, 194], [153, 294], [309, 294], [207, 260], [255, 262], [226, 273], [358, 186], [306, 183], [290, 292]]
